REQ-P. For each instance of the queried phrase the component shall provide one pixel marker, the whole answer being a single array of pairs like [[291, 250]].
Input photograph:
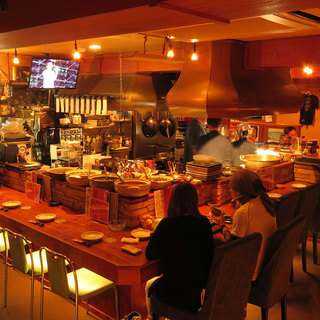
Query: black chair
[[315, 229], [228, 284], [286, 208], [273, 280], [307, 208]]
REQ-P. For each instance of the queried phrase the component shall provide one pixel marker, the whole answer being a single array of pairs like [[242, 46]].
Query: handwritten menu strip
[[159, 203], [32, 191], [99, 210]]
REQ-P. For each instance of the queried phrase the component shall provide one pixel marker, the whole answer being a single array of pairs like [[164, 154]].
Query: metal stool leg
[[116, 300], [304, 255], [284, 307], [315, 247]]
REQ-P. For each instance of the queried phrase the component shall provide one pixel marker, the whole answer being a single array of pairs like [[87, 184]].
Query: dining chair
[[24, 259], [77, 285], [286, 208], [228, 284], [315, 229], [272, 282], [307, 207]]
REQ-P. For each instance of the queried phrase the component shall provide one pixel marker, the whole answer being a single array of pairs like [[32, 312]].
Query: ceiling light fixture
[[95, 47], [194, 54], [308, 70], [170, 53], [76, 54], [16, 59]]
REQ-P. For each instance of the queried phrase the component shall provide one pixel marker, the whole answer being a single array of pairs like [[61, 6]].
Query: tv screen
[[53, 73]]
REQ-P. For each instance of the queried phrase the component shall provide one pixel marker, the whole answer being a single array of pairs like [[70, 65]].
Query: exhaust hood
[[219, 84], [138, 93]]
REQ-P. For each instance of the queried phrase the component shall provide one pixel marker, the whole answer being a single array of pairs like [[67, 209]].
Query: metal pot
[[150, 127], [167, 128], [257, 161]]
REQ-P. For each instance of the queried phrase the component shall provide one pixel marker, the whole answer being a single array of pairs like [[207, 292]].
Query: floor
[[303, 297]]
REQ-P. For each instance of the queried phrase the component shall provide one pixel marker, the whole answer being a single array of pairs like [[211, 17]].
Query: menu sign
[[32, 191], [161, 201], [97, 205]]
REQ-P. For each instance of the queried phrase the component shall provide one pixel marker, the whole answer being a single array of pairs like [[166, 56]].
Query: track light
[[76, 54], [170, 53], [16, 59], [194, 54]]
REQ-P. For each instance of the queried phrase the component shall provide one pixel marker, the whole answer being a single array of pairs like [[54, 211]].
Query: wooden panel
[[295, 52]]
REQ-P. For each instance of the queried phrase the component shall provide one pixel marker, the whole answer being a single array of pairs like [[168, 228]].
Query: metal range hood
[[218, 83], [138, 93]]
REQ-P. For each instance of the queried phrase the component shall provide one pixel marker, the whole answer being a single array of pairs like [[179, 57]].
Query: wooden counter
[[106, 259]]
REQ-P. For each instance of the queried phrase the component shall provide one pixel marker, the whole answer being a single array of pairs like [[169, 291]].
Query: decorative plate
[[141, 234], [298, 185], [11, 204], [274, 195], [92, 236], [45, 217]]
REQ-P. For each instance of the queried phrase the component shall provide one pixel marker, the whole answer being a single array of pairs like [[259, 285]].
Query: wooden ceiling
[[45, 26]]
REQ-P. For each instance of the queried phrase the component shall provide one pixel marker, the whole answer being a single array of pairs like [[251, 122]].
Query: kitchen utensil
[[117, 224], [80, 178], [274, 195], [40, 224], [141, 234], [11, 204], [132, 188], [203, 158], [150, 127], [45, 217], [167, 128], [159, 182], [298, 185], [59, 173], [82, 242], [102, 181], [257, 161], [92, 236]]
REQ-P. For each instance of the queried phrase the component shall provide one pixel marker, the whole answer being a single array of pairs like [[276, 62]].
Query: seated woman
[[183, 243], [256, 213]]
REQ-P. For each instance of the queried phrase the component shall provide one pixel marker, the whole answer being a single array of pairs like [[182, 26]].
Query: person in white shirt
[[256, 213], [216, 145], [50, 75]]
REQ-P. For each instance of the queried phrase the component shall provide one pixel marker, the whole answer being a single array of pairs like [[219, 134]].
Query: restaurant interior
[[97, 102]]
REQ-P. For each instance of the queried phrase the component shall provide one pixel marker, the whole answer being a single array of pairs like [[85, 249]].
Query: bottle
[[37, 137]]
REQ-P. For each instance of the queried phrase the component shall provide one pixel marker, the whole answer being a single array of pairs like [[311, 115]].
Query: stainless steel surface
[[138, 92], [219, 84], [257, 161]]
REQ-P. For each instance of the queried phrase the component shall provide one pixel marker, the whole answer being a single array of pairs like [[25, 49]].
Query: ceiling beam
[[191, 12]]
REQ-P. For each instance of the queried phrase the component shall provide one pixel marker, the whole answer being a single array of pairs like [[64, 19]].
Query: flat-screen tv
[[53, 73]]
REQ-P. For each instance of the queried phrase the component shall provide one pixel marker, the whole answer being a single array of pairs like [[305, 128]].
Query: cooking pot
[[167, 128], [150, 127], [257, 161]]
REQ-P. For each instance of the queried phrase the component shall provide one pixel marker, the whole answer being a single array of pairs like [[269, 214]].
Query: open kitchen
[[108, 109]]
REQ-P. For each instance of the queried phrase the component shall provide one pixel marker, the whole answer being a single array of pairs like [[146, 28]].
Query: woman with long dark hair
[[256, 212], [183, 243]]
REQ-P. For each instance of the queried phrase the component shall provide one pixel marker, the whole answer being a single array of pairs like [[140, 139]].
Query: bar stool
[[28, 263], [79, 285]]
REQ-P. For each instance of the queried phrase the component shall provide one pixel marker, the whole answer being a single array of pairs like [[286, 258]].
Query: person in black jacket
[[183, 243]]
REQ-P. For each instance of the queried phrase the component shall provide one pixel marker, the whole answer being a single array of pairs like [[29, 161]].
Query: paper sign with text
[[32, 191]]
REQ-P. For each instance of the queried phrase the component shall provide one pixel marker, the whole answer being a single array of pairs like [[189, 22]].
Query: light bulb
[[16, 60], [194, 56], [76, 55], [170, 53], [308, 70]]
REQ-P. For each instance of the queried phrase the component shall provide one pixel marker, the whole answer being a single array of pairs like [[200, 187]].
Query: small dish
[[141, 234], [274, 195], [298, 185], [45, 217], [92, 236], [11, 204]]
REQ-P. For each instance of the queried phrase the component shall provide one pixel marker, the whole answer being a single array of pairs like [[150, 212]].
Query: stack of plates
[[204, 172]]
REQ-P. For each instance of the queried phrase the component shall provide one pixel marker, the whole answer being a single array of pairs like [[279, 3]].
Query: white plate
[[45, 217], [274, 195], [11, 204], [141, 234], [298, 185], [92, 236]]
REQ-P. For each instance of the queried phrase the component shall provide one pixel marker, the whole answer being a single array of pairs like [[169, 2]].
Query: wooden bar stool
[[78, 285], [26, 262]]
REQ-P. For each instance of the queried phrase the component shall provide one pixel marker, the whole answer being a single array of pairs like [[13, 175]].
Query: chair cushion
[[89, 284], [37, 263]]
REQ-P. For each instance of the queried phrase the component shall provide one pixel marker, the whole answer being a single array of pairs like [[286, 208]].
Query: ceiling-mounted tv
[[53, 73]]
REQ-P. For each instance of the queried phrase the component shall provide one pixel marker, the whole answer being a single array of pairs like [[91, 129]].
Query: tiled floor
[[303, 297]]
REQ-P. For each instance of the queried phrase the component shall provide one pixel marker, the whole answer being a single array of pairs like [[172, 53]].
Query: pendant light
[[170, 53], [16, 59], [76, 54], [194, 54]]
